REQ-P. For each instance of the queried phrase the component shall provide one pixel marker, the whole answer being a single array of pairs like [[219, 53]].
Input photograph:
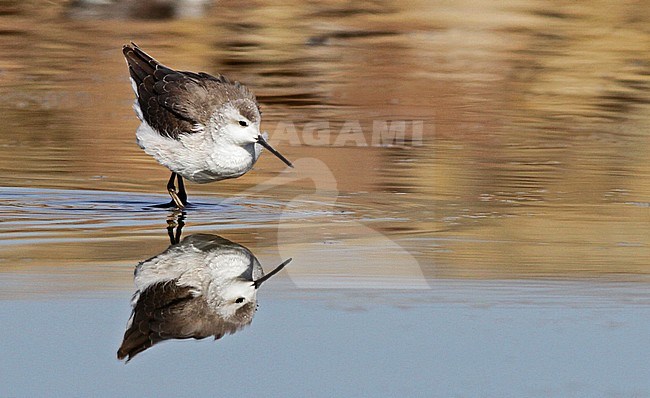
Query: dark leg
[[171, 188], [177, 220], [179, 200], [182, 195], [170, 183]]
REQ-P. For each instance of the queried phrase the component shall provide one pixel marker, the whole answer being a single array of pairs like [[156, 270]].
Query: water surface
[[500, 249]]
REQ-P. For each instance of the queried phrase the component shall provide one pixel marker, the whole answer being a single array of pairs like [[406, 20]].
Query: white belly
[[197, 157]]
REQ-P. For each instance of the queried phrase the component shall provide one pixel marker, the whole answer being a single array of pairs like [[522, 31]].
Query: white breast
[[197, 156]]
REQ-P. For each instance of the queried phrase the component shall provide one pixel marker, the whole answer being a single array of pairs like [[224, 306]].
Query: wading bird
[[201, 127]]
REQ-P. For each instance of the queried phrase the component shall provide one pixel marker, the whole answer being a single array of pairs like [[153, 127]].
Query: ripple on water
[[58, 240], [37, 213]]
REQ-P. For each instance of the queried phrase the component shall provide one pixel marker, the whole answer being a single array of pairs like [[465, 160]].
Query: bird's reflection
[[202, 286]]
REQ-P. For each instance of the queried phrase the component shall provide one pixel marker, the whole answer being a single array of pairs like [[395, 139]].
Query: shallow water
[[501, 248]]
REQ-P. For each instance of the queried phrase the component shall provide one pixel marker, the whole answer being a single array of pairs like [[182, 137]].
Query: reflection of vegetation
[[544, 185], [536, 116]]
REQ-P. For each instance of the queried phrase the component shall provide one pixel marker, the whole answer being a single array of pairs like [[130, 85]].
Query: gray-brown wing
[[176, 102], [168, 311], [154, 305]]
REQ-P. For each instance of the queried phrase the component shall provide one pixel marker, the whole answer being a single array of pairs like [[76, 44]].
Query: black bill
[[268, 146], [277, 269]]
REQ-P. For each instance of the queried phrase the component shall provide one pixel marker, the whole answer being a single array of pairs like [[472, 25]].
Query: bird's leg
[[182, 195], [170, 183], [171, 188], [175, 220]]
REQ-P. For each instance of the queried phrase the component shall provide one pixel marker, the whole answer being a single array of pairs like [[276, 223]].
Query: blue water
[[481, 343]]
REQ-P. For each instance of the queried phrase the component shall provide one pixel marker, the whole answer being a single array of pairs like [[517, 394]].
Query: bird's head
[[240, 124], [236, 297]]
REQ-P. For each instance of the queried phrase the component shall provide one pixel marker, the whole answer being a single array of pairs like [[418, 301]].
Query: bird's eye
[[243, 123], [239, 299]]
